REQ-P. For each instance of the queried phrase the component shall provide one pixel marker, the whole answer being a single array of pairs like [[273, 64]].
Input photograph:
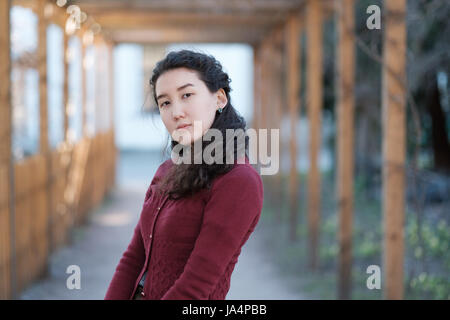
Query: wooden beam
[[215, 6], [120, 19], [24, 3], [191, 34], [293, 90], [344, 105], [54, 14], [61, 16], [314, 104], [394, 148], [7, 255]]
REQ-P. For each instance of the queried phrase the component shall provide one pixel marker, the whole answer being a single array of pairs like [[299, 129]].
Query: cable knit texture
[[189, 247]]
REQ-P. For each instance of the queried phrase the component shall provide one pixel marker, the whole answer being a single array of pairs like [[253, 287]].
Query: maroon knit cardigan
[[189, 246]]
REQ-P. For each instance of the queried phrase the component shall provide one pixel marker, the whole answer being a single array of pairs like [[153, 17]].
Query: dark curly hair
[[184, 180]]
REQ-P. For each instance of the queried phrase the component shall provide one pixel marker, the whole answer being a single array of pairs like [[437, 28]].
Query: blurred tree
[[428, 55]]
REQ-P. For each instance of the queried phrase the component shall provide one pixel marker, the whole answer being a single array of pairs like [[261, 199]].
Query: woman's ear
[[221, 99]]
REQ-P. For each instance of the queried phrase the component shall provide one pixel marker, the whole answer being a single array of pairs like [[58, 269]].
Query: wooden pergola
[[274, 29]]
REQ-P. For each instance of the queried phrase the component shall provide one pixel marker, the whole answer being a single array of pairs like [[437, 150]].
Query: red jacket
[[190, 246]]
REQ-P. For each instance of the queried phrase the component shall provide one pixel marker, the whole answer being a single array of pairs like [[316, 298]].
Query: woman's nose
[[177, 110]]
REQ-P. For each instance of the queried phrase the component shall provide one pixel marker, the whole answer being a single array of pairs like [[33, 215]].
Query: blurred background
[[358, 89]]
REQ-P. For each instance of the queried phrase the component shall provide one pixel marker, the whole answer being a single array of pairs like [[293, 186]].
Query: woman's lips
[[185, 126]]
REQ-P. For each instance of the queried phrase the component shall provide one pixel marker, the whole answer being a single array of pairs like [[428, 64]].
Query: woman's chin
[[186, 139], [183, 141]]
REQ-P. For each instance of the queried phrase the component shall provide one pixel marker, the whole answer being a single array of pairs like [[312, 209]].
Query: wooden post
[[7, 244], [264, 114], [42, 70], [265, 104], [275, 106], [314, 103], [264, 87], [293, 90], [257, 92], [43, 120], [265, 95], [394, 84], [345, 102], [256, 86], [270, 115], [278, 111]]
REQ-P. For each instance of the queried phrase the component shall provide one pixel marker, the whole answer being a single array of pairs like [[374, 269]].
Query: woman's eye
[[163, 104]]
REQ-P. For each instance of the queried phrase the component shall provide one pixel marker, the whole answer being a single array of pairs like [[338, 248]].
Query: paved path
[[98, 246]]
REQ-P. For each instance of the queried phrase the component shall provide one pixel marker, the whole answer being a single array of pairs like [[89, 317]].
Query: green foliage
[[427, 262], [367, 246], [427, 286]]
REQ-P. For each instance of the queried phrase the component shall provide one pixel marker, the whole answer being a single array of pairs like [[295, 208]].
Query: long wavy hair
[[183, 180]]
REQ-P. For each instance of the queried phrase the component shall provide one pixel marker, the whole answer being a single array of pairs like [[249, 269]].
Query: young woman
[[196, 216]]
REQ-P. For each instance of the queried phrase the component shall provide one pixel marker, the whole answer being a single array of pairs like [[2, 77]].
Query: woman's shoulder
[[242, 184], [163, 167], [161, 171], [242, 175]]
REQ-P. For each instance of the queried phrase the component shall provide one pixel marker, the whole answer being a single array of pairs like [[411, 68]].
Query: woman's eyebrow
[[180, 88]]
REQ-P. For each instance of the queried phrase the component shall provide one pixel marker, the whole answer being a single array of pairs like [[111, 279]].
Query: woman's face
[[184, 99]]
